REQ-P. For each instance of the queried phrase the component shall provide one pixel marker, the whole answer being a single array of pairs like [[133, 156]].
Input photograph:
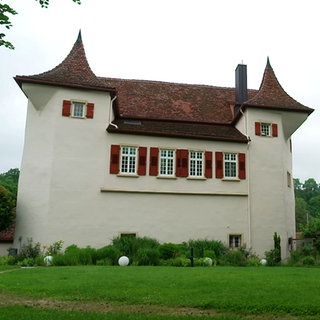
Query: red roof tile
[[74, 71], [163, 106], [142, 99], [179, 129], [272, 95]]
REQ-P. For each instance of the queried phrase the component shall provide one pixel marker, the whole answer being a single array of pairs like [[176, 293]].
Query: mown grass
[[251, 290]]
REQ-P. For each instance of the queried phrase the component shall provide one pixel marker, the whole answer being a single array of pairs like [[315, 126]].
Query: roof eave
[[20, 80], [112, 129], [244, 106]]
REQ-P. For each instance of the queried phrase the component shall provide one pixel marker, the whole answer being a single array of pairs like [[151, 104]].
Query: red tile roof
[[272, 95], [179, 129], [158, 103], [141, 99], [74, 71]]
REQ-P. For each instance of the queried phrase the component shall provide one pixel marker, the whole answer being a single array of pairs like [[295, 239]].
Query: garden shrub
[[108, 255], [171, 250], [308, 261], [74, 255], [27, 262], [30, 250], [8, 260], [201, 245], [181, 262], [306, 249], [129, 245], [235, 257], [168, 251], [272, 257], [147, 257]]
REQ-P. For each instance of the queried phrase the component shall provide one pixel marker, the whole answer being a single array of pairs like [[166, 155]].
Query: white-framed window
[[78, 109], [230, 165], [234, 241], [196, 163], [128, 160], [266, 129], [167, 161]]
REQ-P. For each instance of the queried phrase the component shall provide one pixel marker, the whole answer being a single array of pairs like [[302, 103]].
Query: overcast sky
[[184, 41]]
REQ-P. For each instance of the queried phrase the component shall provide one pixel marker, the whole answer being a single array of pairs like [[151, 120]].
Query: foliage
[[6, 208], [74, 255], [312, 229], [30, 249], [235, 258], [108, 255], [148, 257], [273, 256], [307, 196], [171, 250], [201, 245], [129, 245], [53, 249], [10, 180], [6, 11]]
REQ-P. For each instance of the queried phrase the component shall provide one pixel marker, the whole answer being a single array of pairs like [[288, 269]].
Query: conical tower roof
[[272, 95], [74, 71]]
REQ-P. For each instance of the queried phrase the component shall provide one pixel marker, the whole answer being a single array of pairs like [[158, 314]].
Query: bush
[[168, 251], [30, 250], [147, 257], [308, 261], [76, 256], [27, 262], [236, 257], [181, 262], [129, 245], [272, 257], [201, 245], [108, 255], [8, 260]]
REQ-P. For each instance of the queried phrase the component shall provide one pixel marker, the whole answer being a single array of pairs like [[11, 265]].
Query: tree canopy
[[5, 14], [307, 197], [8, 197], [6, 208]]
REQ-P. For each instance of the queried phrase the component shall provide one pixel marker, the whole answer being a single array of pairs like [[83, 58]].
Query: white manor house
[[106, 157]]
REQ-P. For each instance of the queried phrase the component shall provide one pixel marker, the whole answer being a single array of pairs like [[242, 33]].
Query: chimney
[[241, 84]]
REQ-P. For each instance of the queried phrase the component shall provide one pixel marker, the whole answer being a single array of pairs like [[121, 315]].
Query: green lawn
[[162, 292]]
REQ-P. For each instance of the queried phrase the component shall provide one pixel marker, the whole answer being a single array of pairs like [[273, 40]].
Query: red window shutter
[[154, 155], [114, 159], [90, 108], [258, 128], [182, 156], [208, 164], [66, 108], [274, 130], [242, 165], [142, 162], [219, 165]]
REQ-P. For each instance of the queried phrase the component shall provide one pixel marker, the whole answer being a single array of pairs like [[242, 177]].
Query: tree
[[310, 189], [314, 206], [9, 180], [6, 11], [6, 208], [302, 213]]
